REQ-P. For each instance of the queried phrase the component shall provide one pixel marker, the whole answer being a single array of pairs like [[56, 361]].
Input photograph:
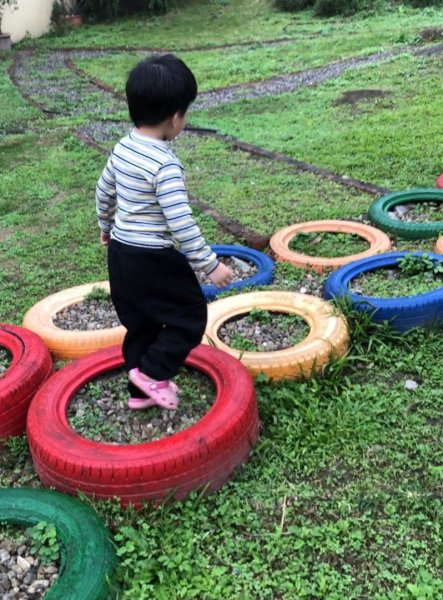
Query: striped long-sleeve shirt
[[141, 200]]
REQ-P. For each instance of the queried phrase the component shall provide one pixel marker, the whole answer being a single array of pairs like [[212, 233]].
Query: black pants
[[159, 300]]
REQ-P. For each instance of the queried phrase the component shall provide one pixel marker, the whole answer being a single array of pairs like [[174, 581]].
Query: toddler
[[154, 244]]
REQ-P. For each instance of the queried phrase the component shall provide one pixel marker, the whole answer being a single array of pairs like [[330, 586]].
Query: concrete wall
[[31, 17]]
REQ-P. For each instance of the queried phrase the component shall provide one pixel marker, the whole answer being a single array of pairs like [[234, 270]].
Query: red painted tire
[[439, 182], [205, 454], [30, 366]]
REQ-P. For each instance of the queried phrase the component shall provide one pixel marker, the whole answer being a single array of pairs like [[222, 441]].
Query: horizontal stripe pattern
[[141, 200]]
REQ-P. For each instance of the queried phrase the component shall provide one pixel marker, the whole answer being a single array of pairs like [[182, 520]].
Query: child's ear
[[175, 119]]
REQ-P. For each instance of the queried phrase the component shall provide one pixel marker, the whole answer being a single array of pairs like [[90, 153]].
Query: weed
[[98, 294], [45, 542], [413, 264], [412, 275], [327, 244]]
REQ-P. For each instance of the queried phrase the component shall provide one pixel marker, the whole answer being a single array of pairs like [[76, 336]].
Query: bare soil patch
[[432, 34], [357, 96]]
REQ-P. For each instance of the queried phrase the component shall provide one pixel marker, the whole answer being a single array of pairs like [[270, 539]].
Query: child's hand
[[221, 276], [104, 239]]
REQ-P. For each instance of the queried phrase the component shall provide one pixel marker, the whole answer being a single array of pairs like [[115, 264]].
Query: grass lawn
[[15, 112], [380, 139], [342, 496], [216, 22]]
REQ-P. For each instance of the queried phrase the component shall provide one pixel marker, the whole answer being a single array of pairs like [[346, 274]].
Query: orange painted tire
[[66, 344], [439, 245], [328, 336], [279, 242]]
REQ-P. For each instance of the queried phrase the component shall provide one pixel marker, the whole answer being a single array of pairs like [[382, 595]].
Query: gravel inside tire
[[99, 411], [5, 360], [88, 315], [417, 213], [23, 574], [270, 331]]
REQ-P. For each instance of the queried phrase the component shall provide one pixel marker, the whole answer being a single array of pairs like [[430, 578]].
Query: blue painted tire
[[404, 313], [264, 264]]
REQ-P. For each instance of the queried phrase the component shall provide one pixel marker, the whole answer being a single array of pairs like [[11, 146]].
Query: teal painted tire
[[378, 214], [87, 555]]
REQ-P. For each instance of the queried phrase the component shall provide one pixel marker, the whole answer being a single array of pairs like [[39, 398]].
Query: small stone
[[241, 264], [23, 563], [400, 211], [4, 557], [40, 583], [29, 578], [411, 385], [303, 290], [51, 570]]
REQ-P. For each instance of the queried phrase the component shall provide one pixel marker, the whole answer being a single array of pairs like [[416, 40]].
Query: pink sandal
[[161, 393]]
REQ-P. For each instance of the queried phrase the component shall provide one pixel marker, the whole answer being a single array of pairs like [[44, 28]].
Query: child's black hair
[[157, 88]]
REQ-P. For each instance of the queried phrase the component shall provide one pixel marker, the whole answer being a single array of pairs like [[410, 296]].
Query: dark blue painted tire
[[422, 310], [264, 264]]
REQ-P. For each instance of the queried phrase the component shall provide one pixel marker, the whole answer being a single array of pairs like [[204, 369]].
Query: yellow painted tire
[[66, 344], [378, 241], [439, 245], [328, 336]]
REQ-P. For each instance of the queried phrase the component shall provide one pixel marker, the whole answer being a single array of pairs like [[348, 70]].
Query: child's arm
[[174, 202], [106, 201]]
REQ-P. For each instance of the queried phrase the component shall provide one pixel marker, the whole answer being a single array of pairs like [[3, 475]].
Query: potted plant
[[75, 18], [65, 12], [5, 38]]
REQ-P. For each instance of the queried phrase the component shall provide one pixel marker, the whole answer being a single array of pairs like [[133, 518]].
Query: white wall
[[31, 16]]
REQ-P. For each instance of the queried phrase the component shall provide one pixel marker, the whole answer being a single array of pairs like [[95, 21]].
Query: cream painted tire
[[66, 344], [439, 245], [328, 337], [378, 241]]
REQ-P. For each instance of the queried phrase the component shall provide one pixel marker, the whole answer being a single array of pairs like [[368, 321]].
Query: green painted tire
[[378, 213], [87, 556]]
